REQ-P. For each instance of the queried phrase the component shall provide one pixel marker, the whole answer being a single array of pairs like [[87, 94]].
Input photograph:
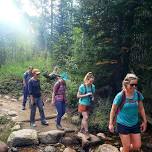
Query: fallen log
[[37, 119]]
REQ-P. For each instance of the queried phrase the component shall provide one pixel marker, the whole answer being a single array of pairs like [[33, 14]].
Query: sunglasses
[[133, 84]]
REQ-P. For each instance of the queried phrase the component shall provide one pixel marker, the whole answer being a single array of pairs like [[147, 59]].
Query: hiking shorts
[[121, 129], [83, 108]]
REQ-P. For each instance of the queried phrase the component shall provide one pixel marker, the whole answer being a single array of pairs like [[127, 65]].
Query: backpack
[[123, 100], [60, 96]]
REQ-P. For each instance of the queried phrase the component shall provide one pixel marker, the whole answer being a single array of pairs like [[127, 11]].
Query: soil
[[24, 115]]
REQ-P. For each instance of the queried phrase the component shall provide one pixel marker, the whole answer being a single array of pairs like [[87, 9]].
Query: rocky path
[[13, 107], [46, 135]]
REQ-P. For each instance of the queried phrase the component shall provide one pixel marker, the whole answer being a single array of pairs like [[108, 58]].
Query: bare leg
[[125, 139], [84, 123], [135, 142]]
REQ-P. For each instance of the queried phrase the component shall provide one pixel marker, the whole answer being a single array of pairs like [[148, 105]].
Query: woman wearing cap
[[127, 119], [85, 95], [35, 96], [59, 98]]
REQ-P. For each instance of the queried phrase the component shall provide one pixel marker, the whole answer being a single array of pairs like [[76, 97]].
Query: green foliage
[[6, 124], [99, 119], [11, 76], [72, 88], [4, 120]]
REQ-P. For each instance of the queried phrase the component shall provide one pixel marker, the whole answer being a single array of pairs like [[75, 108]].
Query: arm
[[30, 92], [112, 116], [79, 95], [143, 115], [53, 98], [55, 88], [24, 82]]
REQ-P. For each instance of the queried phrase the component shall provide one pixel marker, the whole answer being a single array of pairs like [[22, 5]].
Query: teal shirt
[[128, 115], [84, 90]]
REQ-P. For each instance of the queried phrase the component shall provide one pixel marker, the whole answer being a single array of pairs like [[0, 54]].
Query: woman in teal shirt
[[127, 119], [85, 95]]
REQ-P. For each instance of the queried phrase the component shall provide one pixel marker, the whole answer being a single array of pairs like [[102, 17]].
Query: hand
[[89, 94], [143, 126], [111, 128], [53, 103]]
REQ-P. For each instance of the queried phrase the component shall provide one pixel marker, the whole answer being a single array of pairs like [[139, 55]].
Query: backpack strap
[[138, 94], [57, 88], [86, 89], [123, 100]]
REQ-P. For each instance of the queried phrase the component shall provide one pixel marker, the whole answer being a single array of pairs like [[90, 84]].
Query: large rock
[[51, 137], [69, 141], [25, 137], [89, 140], [106, 148]]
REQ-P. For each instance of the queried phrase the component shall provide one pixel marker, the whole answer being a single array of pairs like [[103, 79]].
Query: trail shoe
[[59, 127], [33, 125], [45, 123], [23, 107]]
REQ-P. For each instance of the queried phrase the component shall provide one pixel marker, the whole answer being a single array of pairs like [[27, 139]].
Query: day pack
[[60, 91], [123, 100]]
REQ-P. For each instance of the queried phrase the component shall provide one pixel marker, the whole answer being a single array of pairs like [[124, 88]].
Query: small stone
[[14, 100], [12, 113], [68, 149], [50, 149], [6, 97], [13, 149], [14, 119], [101, 135]]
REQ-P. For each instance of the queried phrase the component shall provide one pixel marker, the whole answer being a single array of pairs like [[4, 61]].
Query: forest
[[107, 37]]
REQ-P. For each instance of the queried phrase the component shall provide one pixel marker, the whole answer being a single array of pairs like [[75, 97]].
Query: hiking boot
[[59, 127], [45, 123], [33, 125], [23, 107]]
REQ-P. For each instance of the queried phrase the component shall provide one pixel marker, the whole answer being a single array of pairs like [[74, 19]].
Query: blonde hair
[[88, 76], [128, 78]]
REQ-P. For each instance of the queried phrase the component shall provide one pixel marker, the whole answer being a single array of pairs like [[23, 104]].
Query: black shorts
[[121, 129]]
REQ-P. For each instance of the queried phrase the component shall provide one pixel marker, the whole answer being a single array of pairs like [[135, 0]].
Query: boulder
[[50, 137], [89, 140], [69, 141], [24, 137], [106, 148]]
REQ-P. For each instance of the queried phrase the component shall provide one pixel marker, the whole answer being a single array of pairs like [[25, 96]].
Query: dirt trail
[[23, 115]]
